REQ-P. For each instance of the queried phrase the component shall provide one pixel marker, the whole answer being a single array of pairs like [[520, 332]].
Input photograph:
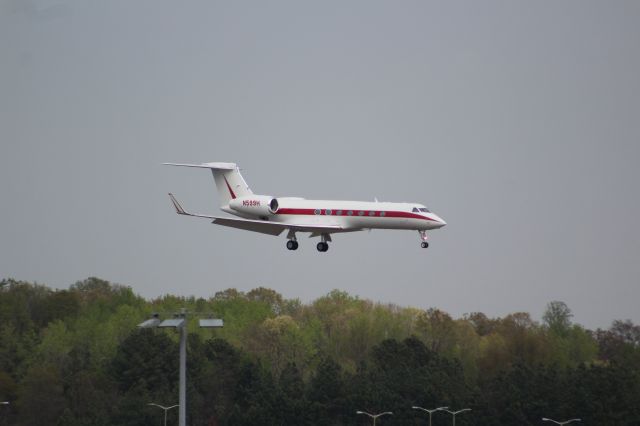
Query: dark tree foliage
[[41, 397], [146, 359], [215, 380], [292, 401], [328, 394], [400, 375], [75, 357]]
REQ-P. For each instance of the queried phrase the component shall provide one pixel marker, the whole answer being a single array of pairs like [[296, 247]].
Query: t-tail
[[229, 181]]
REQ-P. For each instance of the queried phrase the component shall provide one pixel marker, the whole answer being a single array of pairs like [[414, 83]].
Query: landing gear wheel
[[322, 246], [292, 245], [424, 244]]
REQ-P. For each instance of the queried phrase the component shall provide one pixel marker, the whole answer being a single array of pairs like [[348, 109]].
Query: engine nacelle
[[255, 205]]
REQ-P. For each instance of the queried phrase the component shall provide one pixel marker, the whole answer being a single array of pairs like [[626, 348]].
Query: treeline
[[75, 357]]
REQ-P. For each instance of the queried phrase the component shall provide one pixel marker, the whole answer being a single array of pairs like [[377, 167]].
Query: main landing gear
[[423, 237], [323, 246], [292, 244]]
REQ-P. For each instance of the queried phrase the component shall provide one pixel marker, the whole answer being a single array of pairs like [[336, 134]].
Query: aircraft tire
[[295, 245], [291, 245], [322, 246], [424, 244]]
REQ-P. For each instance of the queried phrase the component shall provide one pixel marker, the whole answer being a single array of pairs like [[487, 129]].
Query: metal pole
[[183, 372], [430, 418], [165, 416]]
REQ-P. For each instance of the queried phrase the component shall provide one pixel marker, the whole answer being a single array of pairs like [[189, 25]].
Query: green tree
[[436, 328], [557, 317], [524, 339], [280, 341]]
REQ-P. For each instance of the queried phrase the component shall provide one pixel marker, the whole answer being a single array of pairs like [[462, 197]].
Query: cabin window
[[424, 209], [327, 212], [382, 213], [350, 213], [360, 213], [338, 212], [372, 213], [415, 210], [316, 211]]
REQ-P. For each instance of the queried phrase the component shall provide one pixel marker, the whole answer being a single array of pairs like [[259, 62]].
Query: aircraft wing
[[276, 228], [271, 228], [264, 227]]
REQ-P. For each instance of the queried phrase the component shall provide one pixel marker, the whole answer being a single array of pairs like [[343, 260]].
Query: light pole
[[374, 416], [544, 419], [457, 412], [179, 323], [165, 410], [430, 411]]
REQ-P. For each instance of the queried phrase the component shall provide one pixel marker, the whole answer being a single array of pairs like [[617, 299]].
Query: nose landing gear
[[423, 237]]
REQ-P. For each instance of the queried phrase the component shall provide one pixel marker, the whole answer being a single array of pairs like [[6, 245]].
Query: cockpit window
[[415, 210], [424, 209]]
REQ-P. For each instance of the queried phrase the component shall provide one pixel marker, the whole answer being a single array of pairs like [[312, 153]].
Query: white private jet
[[321, 218]]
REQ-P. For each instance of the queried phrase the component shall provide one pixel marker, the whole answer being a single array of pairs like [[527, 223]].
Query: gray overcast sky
[[517, 122]]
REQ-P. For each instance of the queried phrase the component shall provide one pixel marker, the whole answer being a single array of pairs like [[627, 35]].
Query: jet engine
[[255, 205]]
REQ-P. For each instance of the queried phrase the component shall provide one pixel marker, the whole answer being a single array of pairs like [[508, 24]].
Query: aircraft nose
[[440, 222]]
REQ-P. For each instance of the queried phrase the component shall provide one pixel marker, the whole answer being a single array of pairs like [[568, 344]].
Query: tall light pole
[[165, 410], [544, 419], [374, 416], [430, 411], [457, 412], [179, 323]]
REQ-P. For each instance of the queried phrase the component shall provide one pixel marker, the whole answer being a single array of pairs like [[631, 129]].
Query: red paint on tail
[[233, 195]]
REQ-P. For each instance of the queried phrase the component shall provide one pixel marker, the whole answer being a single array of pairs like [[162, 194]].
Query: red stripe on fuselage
[[296, 211], [393, 214]]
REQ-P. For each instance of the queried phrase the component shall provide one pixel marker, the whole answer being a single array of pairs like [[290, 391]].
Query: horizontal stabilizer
[[219, 166], [229, 182]]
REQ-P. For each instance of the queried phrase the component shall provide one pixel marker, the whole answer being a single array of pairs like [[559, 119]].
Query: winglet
[[182, 211], [177, 205]]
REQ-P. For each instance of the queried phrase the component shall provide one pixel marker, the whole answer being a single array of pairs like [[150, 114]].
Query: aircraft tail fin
[[229, 182]]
